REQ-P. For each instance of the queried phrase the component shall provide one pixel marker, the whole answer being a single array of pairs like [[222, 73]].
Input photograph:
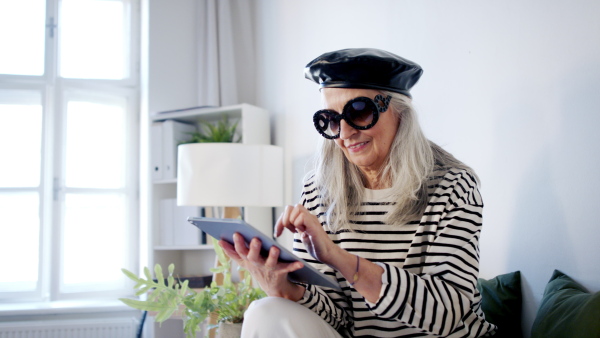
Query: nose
[[346, 131]]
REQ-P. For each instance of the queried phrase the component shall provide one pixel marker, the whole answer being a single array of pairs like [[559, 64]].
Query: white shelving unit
[[253, 127], [196, 260]]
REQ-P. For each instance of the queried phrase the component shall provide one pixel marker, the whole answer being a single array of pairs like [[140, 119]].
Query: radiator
[[89, 328]]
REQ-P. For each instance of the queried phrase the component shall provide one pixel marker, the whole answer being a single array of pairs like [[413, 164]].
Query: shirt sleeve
[[436, 293], [324, 305]]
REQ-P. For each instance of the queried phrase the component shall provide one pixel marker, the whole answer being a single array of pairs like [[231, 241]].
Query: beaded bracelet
[[355, 277]]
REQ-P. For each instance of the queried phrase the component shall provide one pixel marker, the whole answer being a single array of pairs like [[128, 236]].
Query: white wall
[[510, 87]]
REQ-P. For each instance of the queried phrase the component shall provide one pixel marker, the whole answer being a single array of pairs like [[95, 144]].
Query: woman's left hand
[[298, 219], [268, 271]]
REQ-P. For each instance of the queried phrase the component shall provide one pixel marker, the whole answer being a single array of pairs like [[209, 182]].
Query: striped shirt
[[430, 265]]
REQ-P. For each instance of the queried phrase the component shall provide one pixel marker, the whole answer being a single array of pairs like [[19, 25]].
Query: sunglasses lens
[[361, 112], [326, 123]]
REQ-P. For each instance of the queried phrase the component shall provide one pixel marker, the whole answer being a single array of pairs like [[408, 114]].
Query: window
[[68, 148]]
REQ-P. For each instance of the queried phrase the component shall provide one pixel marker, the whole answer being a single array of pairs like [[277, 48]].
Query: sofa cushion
[[501, 303], [567, 310]]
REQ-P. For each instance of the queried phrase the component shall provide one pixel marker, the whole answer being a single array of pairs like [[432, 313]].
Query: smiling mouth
[[357, 145]]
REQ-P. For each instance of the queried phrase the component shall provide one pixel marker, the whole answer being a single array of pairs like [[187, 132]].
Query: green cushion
[[501, 303], [567, 310]]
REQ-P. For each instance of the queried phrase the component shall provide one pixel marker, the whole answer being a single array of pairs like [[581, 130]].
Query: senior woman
[[392, 216]]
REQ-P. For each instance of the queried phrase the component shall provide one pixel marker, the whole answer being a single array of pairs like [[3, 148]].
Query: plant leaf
[[143, 290], [223, 259], [184, 288], [164, 314], [130, 275], [147, 273], [159, 275], [142, 304]]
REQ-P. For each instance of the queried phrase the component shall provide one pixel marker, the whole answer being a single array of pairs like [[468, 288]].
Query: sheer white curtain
[[226, 53]]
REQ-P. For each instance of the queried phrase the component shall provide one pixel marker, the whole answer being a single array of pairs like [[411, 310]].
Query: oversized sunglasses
[[360, 113]]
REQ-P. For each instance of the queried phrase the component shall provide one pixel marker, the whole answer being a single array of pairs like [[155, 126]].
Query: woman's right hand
[[268, 272], [298, 219]]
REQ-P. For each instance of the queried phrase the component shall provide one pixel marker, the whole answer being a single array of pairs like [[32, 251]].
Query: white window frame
[[54, 92]]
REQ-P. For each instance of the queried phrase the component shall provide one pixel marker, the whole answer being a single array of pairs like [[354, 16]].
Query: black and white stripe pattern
[[430, 265]]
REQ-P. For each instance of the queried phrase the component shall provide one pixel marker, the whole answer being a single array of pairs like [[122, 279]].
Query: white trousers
[[278, 317]]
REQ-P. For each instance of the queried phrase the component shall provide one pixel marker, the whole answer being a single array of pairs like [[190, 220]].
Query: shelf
[[193, 114], [253, 121], [183, 247], [170, 181]]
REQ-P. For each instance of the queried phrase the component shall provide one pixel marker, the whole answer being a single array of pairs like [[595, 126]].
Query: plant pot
[[230, 330]]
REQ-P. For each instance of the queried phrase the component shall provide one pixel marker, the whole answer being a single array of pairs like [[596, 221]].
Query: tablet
[[224, 228]]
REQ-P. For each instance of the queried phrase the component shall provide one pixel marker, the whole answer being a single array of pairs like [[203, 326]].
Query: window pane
[[95, 145], [94, 242], [93, 39], [19, 241], [22, 31], [20, 138]]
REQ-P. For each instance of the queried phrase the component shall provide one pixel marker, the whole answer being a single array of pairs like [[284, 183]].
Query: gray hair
[[410, 163]]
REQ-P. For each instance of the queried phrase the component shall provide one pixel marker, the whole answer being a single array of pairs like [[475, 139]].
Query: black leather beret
[[364, 68]]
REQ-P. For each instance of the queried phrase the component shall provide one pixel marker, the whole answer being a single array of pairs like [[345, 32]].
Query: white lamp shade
[[229, 175]]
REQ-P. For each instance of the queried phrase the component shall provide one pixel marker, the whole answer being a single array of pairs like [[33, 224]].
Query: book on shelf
[[165, 137], [166, 233], [175, 230], [156, 151]]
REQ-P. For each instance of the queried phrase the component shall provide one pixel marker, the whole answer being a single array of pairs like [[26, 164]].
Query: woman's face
[[368, 149]]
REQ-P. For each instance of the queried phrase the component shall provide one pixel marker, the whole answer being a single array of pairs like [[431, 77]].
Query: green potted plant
[[228, 301], [222, 131]]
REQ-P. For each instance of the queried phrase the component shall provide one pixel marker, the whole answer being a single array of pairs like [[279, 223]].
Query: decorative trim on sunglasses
[[382, 102]]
